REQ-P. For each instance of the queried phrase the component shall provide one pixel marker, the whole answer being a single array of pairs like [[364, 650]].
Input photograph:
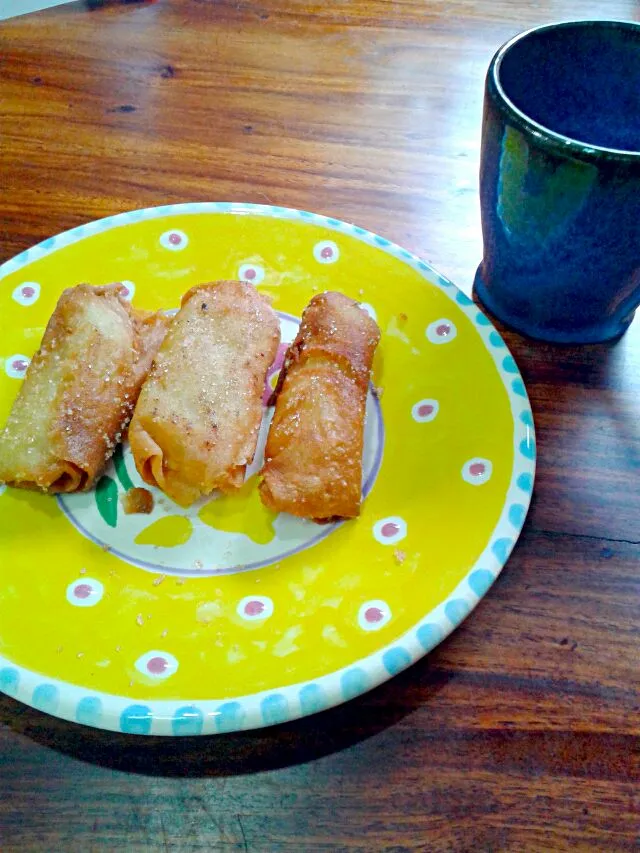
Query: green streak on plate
[[121, 469], [107, 500]]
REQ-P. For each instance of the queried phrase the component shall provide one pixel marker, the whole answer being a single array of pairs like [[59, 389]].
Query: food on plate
[[196, 424], [313, 456], [137, 500], [79, 391]]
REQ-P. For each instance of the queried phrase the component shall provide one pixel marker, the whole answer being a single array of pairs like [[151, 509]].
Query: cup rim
[[564, 145]]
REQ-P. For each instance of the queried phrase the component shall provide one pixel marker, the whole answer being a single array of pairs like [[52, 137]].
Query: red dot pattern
[[157, 665], [373, 615], [83, 590]]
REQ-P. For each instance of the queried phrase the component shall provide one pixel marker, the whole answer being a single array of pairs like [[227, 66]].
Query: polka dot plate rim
[[372, 616]]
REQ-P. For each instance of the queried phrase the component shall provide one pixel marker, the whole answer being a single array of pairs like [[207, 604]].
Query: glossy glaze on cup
[[560, 182]]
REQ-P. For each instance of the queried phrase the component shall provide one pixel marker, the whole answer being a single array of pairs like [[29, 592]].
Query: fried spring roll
[[79, 391], [313, 456], [196, 424]]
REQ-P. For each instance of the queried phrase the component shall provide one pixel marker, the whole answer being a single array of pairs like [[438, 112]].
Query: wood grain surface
[[521, 731]]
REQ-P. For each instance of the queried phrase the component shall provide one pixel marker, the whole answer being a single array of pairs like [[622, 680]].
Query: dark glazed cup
[[560, 182]]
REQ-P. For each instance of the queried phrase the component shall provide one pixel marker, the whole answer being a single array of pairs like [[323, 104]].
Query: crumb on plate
[[137, 500]]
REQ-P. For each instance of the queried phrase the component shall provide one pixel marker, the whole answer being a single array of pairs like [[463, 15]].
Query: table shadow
[[238, 753], [613, 365]]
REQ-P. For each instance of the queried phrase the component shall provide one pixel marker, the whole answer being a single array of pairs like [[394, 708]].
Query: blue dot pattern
[[525, 482], [354, 682], [89, 711], [396, 659], [509, 365], [501, 548], [518, 387], [9, 680], [517, 513], [429, 635], [45, 698], [528, 447], [480, 581], [455, 610], [482, 319], [136, 720], [230, 717], [187, 721], [275, 709], [496, 341], [312, 699]]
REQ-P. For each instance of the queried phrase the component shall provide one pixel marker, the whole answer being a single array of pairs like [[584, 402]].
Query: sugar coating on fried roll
[[196, 424], [313, 456], [79, 391]]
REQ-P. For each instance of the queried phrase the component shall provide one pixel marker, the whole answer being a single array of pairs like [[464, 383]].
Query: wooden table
[[520, 732]]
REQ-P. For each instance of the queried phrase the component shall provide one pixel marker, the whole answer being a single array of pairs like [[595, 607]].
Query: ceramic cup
[[560, 182]]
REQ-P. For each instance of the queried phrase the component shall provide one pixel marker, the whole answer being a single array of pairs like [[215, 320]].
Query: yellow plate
[[225, 617]]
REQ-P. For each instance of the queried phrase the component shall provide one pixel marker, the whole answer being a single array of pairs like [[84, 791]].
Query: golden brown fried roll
[[196, 424], [313, 457], [79, 390]]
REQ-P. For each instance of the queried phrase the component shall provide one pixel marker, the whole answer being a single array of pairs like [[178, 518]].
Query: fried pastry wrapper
[[196, 424], [79, 390], [313, 455]]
